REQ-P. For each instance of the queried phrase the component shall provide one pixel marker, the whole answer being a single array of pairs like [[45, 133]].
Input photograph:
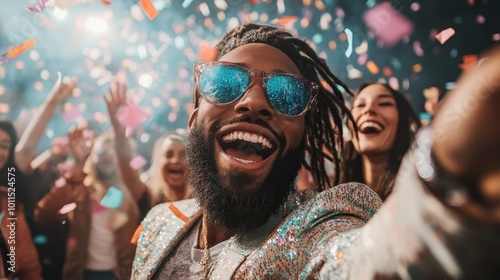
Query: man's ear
[[192, 118]]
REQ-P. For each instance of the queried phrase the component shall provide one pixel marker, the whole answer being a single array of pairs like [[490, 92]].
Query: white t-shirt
[[101, 250]]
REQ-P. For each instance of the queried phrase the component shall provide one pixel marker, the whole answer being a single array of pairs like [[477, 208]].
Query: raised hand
[[62, 89], [80, 144], [115, 99], [467, 133]]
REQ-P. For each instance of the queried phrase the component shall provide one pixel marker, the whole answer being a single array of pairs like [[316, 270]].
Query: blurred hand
[[80, 144], [115, 99], [62, 89], [466, 129]]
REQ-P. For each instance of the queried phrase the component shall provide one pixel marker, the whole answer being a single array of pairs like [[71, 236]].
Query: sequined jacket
[[282, 248]]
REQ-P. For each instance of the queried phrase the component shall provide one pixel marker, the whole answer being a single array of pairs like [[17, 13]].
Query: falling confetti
[[17, 50], [388, 25], [444, 35], [285, 21], [149, 8], [106, 2], [40, 6], [113, 198], [348, 52], [138, 162]]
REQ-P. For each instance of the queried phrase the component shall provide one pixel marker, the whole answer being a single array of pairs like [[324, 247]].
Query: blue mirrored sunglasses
[[223, 83]]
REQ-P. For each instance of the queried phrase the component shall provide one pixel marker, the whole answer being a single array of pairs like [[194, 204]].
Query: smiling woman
[[386, 125]]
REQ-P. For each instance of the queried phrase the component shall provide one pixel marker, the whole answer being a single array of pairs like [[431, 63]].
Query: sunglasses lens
[[223, 84], [289, 95]]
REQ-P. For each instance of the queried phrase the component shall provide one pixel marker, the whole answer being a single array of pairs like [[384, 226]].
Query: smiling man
[[259, 107]]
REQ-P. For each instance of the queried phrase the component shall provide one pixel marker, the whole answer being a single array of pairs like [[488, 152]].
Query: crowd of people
[[223, 199]]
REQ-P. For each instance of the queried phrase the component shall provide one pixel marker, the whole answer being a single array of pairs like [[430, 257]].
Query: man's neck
[[374, 169], [211, 235]]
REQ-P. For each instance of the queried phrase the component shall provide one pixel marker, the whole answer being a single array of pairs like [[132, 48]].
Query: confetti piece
[[418, 49], [468, 62], [40, 240], [1, 216], [138, 162], [444, 35], [480, 19], [285, 21], [362, 59], [496, 37], [387, 24], [67, 208], [106, 2], [348, 52], [71, 243], [471, 2], [131, 116], [372, 67], [449, 85], [42, 4], [17, 50], [96, 208], [186, 3], [113, 198], [71, 114], [425, 116], [148, 8], [206, 52]]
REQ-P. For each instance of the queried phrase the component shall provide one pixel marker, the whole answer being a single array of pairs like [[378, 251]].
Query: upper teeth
[[371, 124], [249, 137]]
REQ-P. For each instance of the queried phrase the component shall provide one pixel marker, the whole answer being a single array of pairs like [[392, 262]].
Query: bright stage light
[[96, 25], [146, 80], [60, 13]]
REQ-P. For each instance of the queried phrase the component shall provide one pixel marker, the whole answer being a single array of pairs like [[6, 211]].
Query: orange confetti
[[253, 2], [468, 62], [342, 37], [372, 67], [207, 52], [17, 50], [332, 45], [285, 21], [149, 8], [417, 68], [387, 71], [106, 2]]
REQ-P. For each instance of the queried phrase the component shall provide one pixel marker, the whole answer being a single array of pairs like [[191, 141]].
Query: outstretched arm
[[443, 220], [26, 148], [117, 98]]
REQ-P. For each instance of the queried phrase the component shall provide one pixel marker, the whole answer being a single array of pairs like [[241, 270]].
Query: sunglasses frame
[[199, 67]]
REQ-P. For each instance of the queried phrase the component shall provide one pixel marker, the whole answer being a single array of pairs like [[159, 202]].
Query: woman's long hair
[[408, 124], [8, 127]]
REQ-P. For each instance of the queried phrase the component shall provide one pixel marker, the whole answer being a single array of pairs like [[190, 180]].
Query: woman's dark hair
[[408, 124], [324, 119], [8, 127]]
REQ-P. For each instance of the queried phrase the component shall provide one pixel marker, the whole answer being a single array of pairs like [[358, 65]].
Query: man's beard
[[224, 196]]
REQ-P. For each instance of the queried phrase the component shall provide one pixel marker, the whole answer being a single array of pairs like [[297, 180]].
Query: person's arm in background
[[26, 147], [443, 219], [117, 98], [69, 188], [54, 155]]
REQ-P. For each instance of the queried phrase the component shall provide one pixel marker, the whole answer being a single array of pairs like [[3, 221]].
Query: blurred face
[[376, 116], [104, 159], [173, 162], [5, 145], [244, 156]]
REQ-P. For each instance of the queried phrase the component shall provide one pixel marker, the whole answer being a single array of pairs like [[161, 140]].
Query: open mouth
[[370, 127], [247, 147], [176, 171]]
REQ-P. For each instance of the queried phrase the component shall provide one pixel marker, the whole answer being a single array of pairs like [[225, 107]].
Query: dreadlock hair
[[408, 124], [324, 138]]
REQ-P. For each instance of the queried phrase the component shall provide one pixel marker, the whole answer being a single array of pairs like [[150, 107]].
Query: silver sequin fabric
[[285, 247]]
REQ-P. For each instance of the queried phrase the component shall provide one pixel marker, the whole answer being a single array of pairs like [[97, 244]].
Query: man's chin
[[234, 199]]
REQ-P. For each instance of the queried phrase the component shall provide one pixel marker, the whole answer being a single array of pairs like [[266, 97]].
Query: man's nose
[[254, 101]]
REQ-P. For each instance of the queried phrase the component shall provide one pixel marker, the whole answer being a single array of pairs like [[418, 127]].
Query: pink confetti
[[138, 162], [471, 2], [67, 208], [339, 13], [72, 114], [131, 116], [96, 208], [362, 59], [71, 243], [42, 4], [444, 35], [415, 6], [480, 19], [61, 182], [496, 37], [418, 49], [388, 25]]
